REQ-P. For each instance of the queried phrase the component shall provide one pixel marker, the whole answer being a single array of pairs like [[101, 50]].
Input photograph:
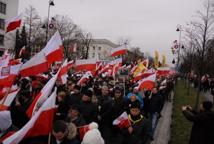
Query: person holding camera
[[203, 123]]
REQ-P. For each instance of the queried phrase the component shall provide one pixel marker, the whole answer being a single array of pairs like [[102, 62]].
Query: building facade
[[101, 48], [8, 9]]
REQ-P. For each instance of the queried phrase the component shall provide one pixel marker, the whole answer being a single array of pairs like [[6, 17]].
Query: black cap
[[88, 93], [135, 104], [60, 126], [207, 105]]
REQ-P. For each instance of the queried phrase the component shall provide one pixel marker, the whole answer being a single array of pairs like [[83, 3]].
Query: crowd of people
[[97, 102]]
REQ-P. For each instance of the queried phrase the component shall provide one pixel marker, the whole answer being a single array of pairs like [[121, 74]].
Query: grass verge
[[181, 127]]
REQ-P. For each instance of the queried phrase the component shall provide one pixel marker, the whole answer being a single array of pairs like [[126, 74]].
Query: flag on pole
[[85, 78], [86, 65], [54, 49], [62, 76], [36, 65], [22, 51], [147, 83], [13, 23], [121, 50], [8, 100], [42, 96], [122, 121], [39, 125]]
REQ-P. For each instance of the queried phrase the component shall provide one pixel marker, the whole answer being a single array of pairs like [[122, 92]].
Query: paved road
[[163, 130]]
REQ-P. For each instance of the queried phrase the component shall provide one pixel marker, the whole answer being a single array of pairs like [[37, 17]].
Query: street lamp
[[51, 3], [179, 29]]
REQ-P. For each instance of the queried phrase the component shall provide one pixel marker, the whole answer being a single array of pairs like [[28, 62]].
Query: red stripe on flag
[[34, 70], [56, 55], [120, 52], [13, 25]]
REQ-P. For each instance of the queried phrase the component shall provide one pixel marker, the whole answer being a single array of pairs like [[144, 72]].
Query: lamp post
[[51, 3], [179, 29]]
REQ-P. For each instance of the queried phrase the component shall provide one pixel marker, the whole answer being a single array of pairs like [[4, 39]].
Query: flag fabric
[[4, 60], [115, 70], [70, 64], [15, 61], [82, 131], [163, 60], [116, 61], [121, 50], [85, 65], [139, 69], [163, 71], [36, 65], [62, 76], [104, 69], [156, 59], [13, 23], [7, 101], [147, 83], [42, 96], [8, 74], [122, 121], [84, 78], [39, 125], [22, 51], [54, 49]]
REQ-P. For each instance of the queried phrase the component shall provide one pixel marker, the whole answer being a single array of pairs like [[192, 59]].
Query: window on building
[[99, 48], [2, 8], [98, 55], [93, 47], [1, 39], [93, 55], [2, 24]]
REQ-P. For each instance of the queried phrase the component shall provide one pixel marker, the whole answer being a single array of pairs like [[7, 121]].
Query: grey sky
[[150, 24]]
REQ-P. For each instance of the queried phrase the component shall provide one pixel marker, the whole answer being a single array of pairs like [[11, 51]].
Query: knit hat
[[135, 104]]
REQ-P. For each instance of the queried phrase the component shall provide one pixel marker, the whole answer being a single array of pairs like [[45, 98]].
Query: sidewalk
[[163, 129]]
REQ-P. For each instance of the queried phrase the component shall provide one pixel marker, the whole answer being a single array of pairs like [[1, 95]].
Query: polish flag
[[39, 125], [122, 121], [86, 65], [144, 74], [36, 65], [6, 102], [54, 49], [163, 71], [121, 50], [62, 76], [22, 51], [115, 69], [85, 78], [104, 69], [73, 48], [116, 61], [42, 96], [70, 64], [8, 74], [148, 82], [13, 23], [15, 61]]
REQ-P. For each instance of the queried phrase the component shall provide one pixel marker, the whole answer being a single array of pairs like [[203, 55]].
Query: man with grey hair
[[104, 113]]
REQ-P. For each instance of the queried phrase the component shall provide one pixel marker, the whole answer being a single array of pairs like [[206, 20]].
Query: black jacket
[[203, 127], [155, 103]]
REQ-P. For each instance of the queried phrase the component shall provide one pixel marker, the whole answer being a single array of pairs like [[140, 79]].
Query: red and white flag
[[86, 65], [13, 23], [85, 78], [104, 69], [73, 48], [116, 61], [62, 76], [115, 69], [163, 71], [36, 65], [42, 96], [54, 49], [122, 121], [70, 64], [6, 102], [148, 82], [22, 51], [8, 74], [4, 60], [121, 50], [39, 125]]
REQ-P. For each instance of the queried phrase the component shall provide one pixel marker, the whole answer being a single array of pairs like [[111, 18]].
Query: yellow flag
[[156, 59], [163, 60], [139, 69]]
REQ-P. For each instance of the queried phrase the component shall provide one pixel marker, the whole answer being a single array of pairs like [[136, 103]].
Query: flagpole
[[49, 138]]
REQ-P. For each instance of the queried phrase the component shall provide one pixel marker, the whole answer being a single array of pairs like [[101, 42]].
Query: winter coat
[[203, 127]]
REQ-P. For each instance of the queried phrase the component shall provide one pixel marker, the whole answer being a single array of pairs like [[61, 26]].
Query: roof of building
[[104, 41]]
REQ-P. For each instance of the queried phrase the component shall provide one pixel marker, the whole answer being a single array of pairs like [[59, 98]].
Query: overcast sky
[[149, 24]]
